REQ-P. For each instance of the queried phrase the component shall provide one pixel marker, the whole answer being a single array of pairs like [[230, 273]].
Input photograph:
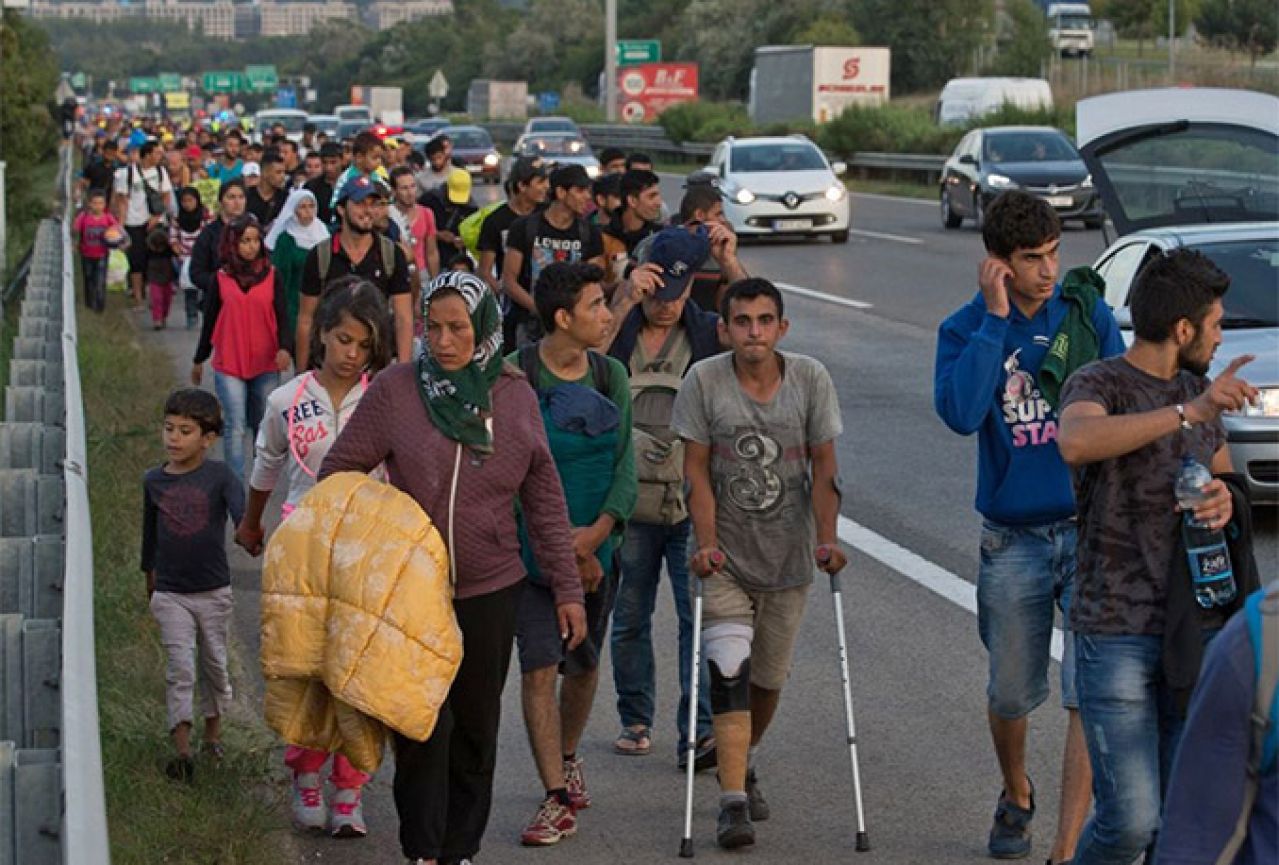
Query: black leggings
[[444, 786]]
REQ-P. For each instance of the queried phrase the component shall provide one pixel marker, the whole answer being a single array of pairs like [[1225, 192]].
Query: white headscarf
[[306, 236]]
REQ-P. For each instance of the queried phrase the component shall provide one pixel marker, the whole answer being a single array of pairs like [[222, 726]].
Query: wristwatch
[[1181, 413]]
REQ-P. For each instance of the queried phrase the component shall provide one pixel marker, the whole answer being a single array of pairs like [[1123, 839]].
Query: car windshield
[[1188, 173], [1074, 22], [553, 126], [777, 157], [1253, 267], [348, 128], [470, 139], [558, 145], [327, 125], [290, 122], [1028, 147]]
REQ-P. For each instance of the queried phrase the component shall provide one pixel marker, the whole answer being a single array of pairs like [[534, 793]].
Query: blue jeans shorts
[[1026, 574]]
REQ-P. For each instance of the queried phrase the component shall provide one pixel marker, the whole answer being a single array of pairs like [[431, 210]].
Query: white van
[[290, 118], [354, 112], [963, 100]]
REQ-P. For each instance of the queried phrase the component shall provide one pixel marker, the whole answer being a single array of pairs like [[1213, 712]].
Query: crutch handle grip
[[717, 559], [823, 554]]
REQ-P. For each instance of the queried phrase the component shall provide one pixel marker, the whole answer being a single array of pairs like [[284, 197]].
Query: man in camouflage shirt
[[1126, 423]]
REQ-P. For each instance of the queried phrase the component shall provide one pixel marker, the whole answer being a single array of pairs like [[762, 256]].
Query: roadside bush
[[1060, 116], [888, 129], [705, 121]]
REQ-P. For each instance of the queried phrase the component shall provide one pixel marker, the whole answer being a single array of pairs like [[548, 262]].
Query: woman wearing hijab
[[205, 260], [183, 233], [295, 231], [462, 434], [244, 329]]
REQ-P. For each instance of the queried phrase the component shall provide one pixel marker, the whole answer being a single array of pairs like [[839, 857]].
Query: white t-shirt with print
[[132, 181]]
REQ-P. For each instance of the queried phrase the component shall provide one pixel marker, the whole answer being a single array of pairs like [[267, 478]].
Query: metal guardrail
[[52, 802], [654, 141]]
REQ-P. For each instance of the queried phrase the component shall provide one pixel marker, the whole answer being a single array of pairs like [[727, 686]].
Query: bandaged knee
[[728, 653]]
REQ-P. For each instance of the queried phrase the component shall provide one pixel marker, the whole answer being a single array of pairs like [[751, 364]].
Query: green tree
[[1241, 25], [28, 134], [1023, 43], [932, 40], [828, 30]]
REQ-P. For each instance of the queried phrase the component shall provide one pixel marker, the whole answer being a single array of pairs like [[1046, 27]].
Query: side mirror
[[840, 168], [968, 159]]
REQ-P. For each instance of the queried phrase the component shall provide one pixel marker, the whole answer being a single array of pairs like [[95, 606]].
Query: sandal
[[634, 741]]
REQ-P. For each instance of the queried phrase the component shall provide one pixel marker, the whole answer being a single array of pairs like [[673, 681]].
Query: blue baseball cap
[[359, 188], [679, 252]]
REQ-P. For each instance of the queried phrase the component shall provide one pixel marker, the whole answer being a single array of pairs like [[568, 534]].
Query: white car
[[539, 125], [1198, 168], [781, 186]]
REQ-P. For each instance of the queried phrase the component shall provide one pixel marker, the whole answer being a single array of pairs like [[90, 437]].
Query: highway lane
[[918, 667]]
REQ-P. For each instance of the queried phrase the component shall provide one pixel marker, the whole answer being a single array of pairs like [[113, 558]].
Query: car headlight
[[575, 146], [1087, 184], [1266, 404], [592, 171], [836, 192], [999, 181], [744, 196], [491, 159]]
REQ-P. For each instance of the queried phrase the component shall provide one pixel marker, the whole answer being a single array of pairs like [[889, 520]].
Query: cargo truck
[[497, 100], [1070, 28], [386, 104], [816, 83]]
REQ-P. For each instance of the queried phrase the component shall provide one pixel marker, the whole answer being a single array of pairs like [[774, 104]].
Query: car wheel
[[839, 237], [949, 217], [979, 211]]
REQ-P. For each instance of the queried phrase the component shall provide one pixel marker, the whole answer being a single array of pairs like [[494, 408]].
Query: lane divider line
[[821, 295], [913, 566], [880, 235]]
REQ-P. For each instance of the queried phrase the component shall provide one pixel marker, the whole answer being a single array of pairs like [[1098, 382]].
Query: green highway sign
[[144, 85], [261, 79], [633, 51], [170, 82], [223, 82]]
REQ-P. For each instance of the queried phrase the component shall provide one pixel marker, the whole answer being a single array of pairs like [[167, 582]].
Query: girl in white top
[[302, 420]]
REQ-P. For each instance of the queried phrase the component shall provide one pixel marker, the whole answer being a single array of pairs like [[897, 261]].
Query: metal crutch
[[836, 591], [686, 843]]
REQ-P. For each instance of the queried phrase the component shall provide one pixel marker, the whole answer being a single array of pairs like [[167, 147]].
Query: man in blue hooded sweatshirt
[[987, 380]]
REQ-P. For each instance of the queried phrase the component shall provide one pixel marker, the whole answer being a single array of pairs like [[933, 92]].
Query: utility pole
[[610, 60], [1172, 41]]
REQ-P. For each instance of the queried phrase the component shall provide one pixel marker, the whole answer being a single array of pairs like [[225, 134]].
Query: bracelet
[[1181, 414]]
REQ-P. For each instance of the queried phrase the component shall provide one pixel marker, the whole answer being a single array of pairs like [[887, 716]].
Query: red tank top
[[246, 335]]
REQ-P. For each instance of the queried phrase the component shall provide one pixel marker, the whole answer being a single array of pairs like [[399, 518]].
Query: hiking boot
[[552, 823], [1010, 834], [733, 829], [576, 784], [346, 816], [758, 804], [308, 801]]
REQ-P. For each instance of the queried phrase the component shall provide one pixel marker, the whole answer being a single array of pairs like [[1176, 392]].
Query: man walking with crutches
[[759, 427]]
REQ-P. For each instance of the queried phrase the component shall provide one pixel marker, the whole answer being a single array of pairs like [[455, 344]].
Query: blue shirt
[[986, 382], [220, 172], [1205, 792]]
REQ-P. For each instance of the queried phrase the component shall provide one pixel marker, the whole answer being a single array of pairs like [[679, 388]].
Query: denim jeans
[[242, 405], [1026, 571], [94, 271], [643, 550], [1132, 728]]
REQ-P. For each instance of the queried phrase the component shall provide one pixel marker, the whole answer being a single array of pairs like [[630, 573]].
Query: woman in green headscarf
[[462, 434]]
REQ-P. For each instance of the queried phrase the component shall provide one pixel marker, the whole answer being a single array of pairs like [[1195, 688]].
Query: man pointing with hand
[[759, 427]]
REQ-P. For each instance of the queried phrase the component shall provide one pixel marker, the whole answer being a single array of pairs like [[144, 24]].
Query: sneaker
[[1010, 833], [758, 804], [552, 823], [346, 815], [576, 784], [734, 829], [308, 801]]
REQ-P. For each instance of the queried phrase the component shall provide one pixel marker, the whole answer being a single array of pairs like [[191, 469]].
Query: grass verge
[[230, 815]]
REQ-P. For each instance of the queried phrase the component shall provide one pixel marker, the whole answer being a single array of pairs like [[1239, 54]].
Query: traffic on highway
[[948, 493]]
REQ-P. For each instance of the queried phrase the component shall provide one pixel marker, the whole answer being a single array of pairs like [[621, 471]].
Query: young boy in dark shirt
[[186, 502]]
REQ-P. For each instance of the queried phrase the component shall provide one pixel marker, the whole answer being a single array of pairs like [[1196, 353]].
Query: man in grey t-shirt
[[759, 427]]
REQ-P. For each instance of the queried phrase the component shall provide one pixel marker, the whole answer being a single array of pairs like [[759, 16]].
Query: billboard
[[647, 89]]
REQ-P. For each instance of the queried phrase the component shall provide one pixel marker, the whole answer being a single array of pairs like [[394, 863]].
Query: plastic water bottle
[[1210, 572]]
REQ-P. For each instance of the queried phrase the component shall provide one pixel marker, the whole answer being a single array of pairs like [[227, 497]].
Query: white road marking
[[821, 295], [879, 235], [896, 199], [915, 567]]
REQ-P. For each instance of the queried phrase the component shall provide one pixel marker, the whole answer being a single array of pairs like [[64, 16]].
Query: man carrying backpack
[[658, 339], [360, 250], [561, 232], [1222, 804], [526, 188], [586, 409]]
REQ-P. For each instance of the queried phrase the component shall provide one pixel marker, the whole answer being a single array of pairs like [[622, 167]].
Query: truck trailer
[[814, 82]]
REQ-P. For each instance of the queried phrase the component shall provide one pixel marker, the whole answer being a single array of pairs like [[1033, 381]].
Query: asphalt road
[[918, 669]]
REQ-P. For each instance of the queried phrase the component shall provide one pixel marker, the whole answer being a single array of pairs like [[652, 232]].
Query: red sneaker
[[552, 823], [576, 784]]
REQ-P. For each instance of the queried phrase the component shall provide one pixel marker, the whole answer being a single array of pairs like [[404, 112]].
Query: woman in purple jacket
[[463, 435]]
